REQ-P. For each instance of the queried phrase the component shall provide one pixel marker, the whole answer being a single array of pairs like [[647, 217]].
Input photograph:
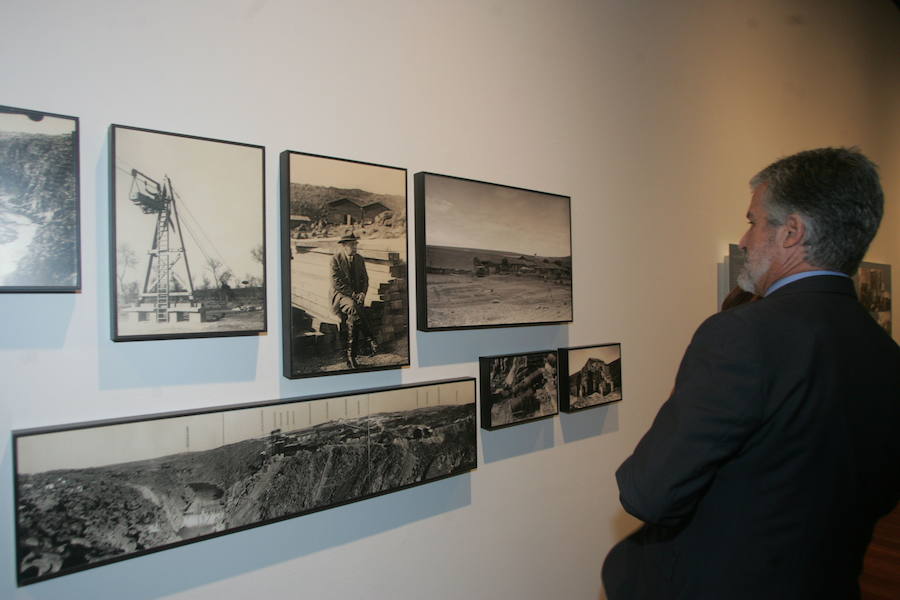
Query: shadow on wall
[[452, 347], [589, 423], [526, 438], [508, 442], [36, 321], [225, 557], [176, 362]]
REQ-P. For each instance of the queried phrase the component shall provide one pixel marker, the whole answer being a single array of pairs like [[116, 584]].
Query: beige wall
[[651, 115]]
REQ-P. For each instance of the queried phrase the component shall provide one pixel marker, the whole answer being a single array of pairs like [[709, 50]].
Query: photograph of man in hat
[[349, 283]]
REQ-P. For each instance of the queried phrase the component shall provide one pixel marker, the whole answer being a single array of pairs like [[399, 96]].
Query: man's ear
[[795, 231]]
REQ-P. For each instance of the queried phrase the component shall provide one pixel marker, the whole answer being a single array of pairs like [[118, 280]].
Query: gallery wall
[[652, 116]]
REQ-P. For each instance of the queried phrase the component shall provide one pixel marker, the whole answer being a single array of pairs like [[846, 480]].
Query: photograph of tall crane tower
[[188, 244]]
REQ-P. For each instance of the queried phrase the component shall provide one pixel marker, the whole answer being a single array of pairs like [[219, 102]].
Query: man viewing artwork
[[767, 468]]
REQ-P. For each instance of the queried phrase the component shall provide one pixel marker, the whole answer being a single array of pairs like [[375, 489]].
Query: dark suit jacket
[[765, 471], [348, 277]]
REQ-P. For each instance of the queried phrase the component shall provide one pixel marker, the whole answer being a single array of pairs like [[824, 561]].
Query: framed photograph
[[187, 236], [344, 266], [589, 376], [490, 255], [517, 388], [873, 288], [95, 493], [39, 202]]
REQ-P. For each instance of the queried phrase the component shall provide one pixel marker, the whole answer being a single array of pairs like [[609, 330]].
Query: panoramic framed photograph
[[187, 236], [95, 493], [344, 266], [490, 255], [40, 247], [873, 288], [589, 376], [517, 388]]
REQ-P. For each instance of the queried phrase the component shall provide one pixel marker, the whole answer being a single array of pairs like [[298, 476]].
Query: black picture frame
[[187, 236], [873, 288], [490, 255], [327, 330], [183, 477], [589, 376], [40, 202], [518, 388]]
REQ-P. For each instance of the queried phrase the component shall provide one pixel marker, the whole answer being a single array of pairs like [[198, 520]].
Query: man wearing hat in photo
[[349, 283]]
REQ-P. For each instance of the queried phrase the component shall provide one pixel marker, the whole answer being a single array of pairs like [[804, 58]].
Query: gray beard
[[751, 274]]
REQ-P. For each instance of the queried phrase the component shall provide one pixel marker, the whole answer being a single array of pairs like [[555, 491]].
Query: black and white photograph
[[188, 236], [873, 288], [39, 202], [516, 388], [344, 266], [589, 376], [490, 255], [92, 494]]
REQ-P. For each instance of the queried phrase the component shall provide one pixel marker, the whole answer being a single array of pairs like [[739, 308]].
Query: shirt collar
[[798, 276]]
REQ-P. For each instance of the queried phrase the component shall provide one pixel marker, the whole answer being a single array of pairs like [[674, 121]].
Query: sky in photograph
[[113, 444], [330, 172], [48, 125], [578, 358], [219, 198], [469, 214]]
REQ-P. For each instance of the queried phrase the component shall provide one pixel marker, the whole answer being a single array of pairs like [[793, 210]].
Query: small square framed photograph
[[589, 376], [39, 202], [518, 388], [490, 255], [187, 236]]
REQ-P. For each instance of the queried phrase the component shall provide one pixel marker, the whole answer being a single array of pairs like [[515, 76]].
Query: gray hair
[[837, 193]]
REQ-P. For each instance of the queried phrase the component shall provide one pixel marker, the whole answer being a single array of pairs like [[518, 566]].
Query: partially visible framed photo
[[873, 288], [39, 202], [344, 266], [735, 260], [95, 493], [187, 236], [589, 376], [517, 388], [490, 255]]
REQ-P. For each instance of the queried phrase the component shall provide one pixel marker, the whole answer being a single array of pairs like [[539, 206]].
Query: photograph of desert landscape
[[39, 200], [189, 237], [324, 201], [490, 255], [90, 495], [517, 388], [591, 376]]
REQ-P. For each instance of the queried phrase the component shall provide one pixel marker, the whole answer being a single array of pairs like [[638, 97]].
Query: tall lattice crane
[[168, 277]]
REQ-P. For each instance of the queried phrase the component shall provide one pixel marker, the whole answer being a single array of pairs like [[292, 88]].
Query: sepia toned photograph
[[490, 255], [517, 388], [39, 202], [95, 493], [873, 288], [188, 236], [344, 266], [589, 376]]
